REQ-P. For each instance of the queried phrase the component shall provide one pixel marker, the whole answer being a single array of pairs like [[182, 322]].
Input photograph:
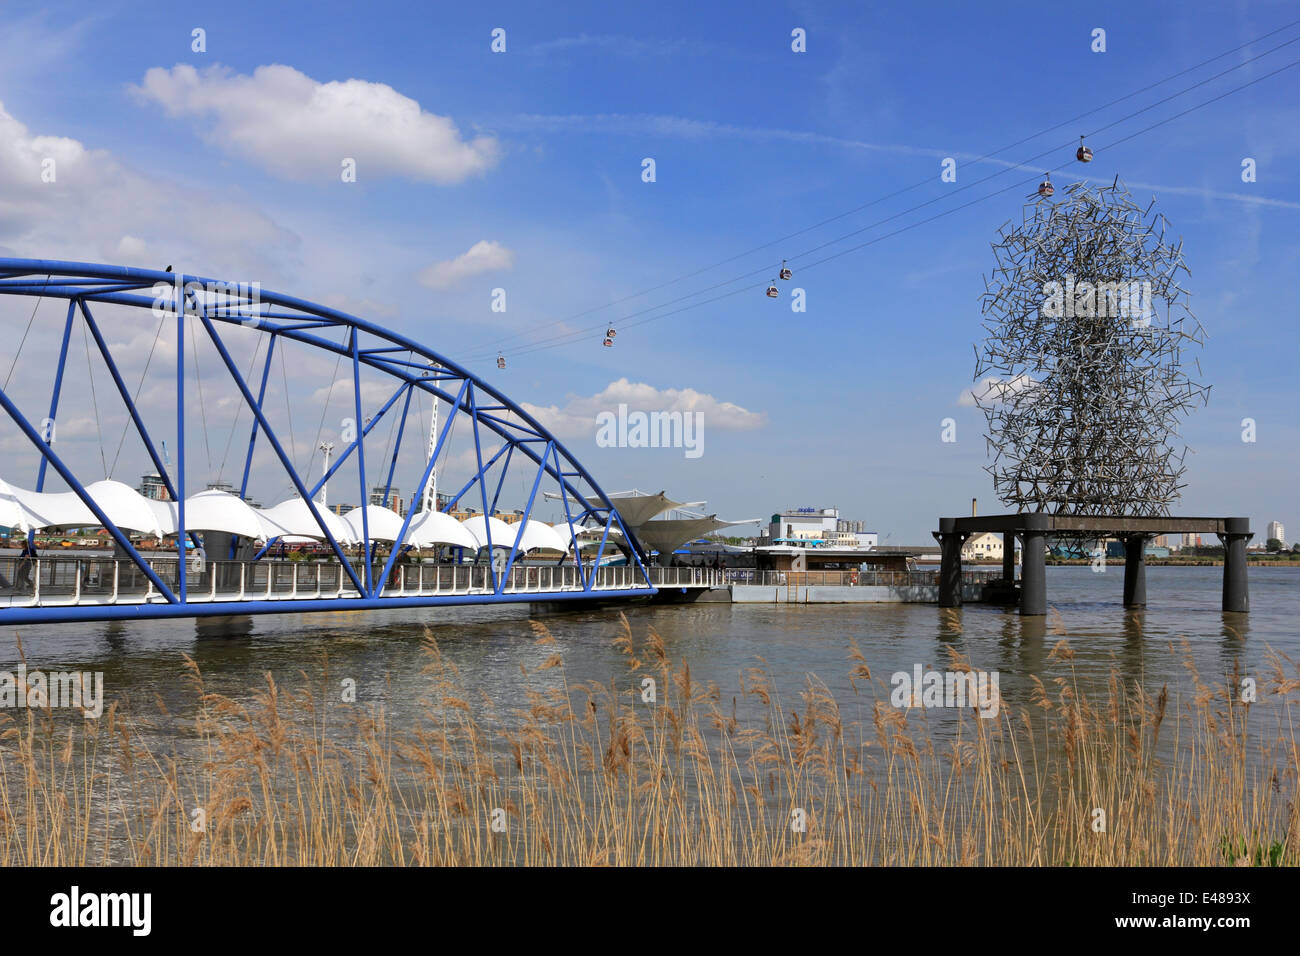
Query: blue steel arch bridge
[[218, 344]]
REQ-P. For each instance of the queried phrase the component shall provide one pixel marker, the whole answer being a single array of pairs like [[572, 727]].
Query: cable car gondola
[[1083, 154], [1045, 188], [501, 360], [610, 333], [785, 272], [772, 290], [608, 343]]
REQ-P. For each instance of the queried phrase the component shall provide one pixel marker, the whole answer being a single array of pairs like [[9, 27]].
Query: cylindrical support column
[[1033, 567], [950, 543], [1008, 557], [1135, 570], [1236, 592]]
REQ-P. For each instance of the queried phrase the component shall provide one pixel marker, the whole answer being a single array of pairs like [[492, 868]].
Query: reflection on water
[[382, 651]]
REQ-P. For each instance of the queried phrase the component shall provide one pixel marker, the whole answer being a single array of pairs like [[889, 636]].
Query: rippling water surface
[[383, 651]]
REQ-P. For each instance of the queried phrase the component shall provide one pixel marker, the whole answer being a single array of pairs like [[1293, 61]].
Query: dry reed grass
[[592, 775]]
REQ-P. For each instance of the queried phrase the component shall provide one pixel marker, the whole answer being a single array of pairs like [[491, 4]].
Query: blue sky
[[534, 158]]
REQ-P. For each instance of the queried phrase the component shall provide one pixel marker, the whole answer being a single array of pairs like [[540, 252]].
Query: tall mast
[[429, 500], [326, 447]]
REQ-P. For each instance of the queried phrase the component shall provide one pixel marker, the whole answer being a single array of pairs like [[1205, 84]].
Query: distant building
[[341, 510], [230, 489], [1115, 548], [1276, 530], [394, 499], [987, 546], [154, 488], [804, 526]]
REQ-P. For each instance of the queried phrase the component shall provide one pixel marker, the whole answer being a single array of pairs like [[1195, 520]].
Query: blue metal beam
[[455, 499], [361, 461], [501, 480], [58, 388], [127, 400], [180, 435], [523, 522], [66, 474], [362, 432], [568, 518], [482, 484], [428, 470], [109, 284], [279, 451], [397, 447], [261, 396]]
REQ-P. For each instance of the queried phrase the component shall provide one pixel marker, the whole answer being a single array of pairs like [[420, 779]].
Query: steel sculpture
[[1082, 381]]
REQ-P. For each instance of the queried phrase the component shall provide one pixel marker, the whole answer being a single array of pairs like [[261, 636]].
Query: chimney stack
[[972, 507]]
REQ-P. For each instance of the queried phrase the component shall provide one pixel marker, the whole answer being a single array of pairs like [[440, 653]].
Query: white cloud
[[299, 128], [993, 389], [130, 249], [577, 418], [486, 255], [90, 207]]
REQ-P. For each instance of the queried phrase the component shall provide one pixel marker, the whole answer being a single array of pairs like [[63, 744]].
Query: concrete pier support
[[1236, 592], [1034, 528], [950, 544], [1135, 570], [1033, 567]]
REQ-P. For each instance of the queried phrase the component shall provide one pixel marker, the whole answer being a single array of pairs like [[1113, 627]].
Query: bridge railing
[[687, 577], [79, 580]]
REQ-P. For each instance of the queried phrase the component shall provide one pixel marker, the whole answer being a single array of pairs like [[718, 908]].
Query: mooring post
[[1135, 570], [950, 543], [1033, 566], [1008, 557], [1236, 593]]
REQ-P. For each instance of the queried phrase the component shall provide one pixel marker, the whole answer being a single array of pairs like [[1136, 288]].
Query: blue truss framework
[[409, 366]]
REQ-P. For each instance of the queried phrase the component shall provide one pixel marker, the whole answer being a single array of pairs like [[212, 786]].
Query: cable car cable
[[927, 180], [830, 242], [569, 337]]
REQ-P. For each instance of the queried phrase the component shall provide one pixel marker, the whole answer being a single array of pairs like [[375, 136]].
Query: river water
[[496, 653]]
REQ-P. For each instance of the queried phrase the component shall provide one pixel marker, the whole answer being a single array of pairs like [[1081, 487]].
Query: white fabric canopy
[[294, 518], [503, 536], [33, 510], [271, 528], [211, 510], [537, 534], [384, 524], [431, 528]]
